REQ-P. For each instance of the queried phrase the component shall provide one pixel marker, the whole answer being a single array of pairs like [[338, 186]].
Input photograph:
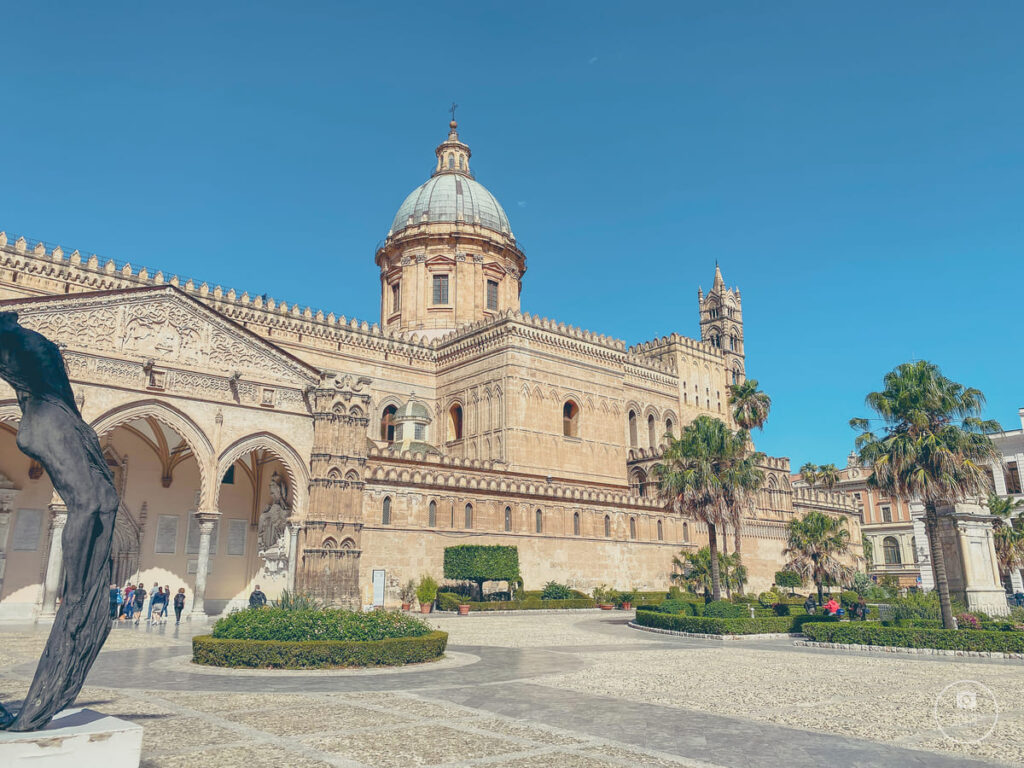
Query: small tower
[[721, 324]]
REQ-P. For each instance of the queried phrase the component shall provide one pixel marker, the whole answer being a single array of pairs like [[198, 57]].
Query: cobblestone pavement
[[573, 691]]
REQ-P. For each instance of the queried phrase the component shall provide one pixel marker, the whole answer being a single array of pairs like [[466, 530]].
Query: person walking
[[129, 602], [257, 599], [157, 605], [115, 601], [831, 607], [809, 605], [179, 605], [862, 609], [139, 598], [167, 602], [152, 600]]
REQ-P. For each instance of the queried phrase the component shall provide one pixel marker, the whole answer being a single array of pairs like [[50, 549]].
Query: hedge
[[317, 654], [859, 633], [481, 562], [713, 626], [317, 624], [530, 604]]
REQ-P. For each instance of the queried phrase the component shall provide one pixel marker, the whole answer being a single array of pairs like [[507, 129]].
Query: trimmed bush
[[317, 654], [449, 601], [788, 579], [768, 599], [866, 633], [481, 562], [717, 626], [531, 604], [723, 609], [306, 625]]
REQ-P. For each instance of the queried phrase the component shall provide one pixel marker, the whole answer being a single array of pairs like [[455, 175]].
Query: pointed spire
[[719, 284], [452, 155]]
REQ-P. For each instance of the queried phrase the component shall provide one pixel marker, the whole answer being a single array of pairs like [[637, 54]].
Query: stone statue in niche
[[272, 529], [53, 433]]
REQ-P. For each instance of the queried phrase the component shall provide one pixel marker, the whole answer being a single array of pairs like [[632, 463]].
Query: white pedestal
[[75, 738]]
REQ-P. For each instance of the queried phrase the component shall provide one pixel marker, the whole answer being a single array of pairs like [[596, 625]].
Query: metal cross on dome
[[452, 109]]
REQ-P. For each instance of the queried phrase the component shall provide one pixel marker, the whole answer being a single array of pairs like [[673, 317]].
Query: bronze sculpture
[[53, 433]]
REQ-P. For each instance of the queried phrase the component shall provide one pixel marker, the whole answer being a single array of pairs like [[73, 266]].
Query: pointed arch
[[295, 468]]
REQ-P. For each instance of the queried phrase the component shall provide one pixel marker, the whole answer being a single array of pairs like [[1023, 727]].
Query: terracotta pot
[[606, 606], [627, 606], [463, 610], [406, 606], [425, 607]]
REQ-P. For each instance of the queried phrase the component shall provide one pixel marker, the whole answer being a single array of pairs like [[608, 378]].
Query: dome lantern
[[452, 155]]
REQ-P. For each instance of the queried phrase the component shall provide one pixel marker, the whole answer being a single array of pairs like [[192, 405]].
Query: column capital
[[207, 515]]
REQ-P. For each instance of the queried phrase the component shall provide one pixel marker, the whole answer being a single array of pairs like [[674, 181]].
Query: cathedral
[[254, 440]]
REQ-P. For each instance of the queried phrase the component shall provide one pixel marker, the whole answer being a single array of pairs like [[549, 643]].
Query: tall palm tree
[[934, 448], [693, 475], [750, 405], [813, 542], [809, 474], [693, 570], [828, 476], [742, 481], [1008, 531]]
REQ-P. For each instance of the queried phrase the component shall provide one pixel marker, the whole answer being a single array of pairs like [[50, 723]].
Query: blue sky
[[855, 168]]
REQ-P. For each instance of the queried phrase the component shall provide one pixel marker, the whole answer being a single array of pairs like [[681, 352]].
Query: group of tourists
[[859, 610], [129, 604]]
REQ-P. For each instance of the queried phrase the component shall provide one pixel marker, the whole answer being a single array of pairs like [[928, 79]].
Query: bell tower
[[721, 324]]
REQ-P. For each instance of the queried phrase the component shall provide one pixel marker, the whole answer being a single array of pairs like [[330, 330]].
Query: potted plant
[[407, 592], [426, 593], [626, 598], [463, 609], [604, 597]]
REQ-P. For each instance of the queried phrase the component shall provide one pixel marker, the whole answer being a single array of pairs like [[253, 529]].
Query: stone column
[[5, 523], [206, 520], [293, 552], [55, 561]]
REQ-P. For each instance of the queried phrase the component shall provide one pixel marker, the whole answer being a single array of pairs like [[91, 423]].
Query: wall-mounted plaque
[[166, 535], [28, 524], [237, 532]]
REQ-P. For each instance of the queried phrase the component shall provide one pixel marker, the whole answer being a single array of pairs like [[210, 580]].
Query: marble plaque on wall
[[28, 524], [166, 535], [192, 544], [192, 566], [237, 532]]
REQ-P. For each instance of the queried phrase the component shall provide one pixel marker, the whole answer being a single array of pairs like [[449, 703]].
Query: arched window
[[508, 518], [469, 515], [632, 527], [451, 161], [387, 424], [455, 423], [607, 527], [652, 432], [891, 550], [732, 342], [329, 543], [638, 482], [570, 419], [661, 532], [576, 523], [668, 426], [432, 515], [735, 376], [632, 429], [686, 532], [385, 517], [462, 162], [540, 521]]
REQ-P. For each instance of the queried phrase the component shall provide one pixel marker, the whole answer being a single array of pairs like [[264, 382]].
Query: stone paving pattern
[[573, 691]]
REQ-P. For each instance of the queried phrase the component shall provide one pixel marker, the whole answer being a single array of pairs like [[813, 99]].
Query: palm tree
[[742, 481], [1007, 531], [693, 571], [809, 474], [750, 405], [828, 476], [813, 541], [693, 476], [934, 448], [750, 410]]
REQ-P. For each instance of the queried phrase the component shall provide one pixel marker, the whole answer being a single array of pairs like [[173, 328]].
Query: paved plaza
[[578, 690]]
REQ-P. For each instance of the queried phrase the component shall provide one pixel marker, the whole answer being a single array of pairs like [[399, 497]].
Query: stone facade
[[220, 410]]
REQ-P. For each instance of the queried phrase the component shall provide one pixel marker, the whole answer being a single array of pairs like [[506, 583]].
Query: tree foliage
[[934, 447], [481, 563], [813, 543], [750, 405]]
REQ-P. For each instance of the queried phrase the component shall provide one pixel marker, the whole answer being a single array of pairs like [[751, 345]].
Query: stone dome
[[451, 197]]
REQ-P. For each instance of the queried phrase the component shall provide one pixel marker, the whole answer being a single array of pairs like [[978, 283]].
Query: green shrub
[[604, 595], [788, 580], [683, 607], [555, 591], [848, 598], [449, 601], [921, 605], [718, 626], [426, 591], [768, 599], [480, 563], [870, 633], [298, 601], [328, 624], [317, 654], [625, 596], [531, 604], [723, 609]]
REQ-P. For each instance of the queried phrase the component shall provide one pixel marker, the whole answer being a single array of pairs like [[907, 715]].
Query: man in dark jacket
[[139, 596], [809, 604], [257, 599]]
